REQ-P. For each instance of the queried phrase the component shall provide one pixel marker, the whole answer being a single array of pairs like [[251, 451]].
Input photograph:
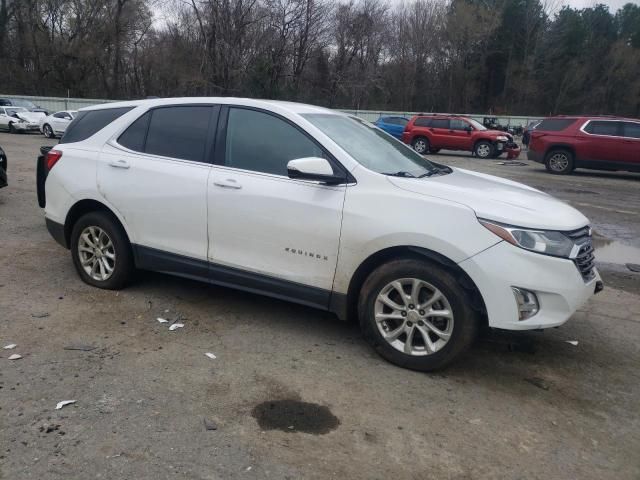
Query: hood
[[497, 199], [30, 116]]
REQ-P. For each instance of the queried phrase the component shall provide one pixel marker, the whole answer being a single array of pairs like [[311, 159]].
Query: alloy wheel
[[420, 146], [414, 317], [97, 253], [559, 162], [483, 151]]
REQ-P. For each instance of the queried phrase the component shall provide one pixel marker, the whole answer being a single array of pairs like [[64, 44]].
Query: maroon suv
[[601, 143], [430, 133]]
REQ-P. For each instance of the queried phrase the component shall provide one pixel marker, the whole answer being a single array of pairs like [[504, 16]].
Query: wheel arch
[[560, 146], [85, 206], [385, 255]]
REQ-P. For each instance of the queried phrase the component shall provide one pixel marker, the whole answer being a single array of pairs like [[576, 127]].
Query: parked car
[[492, 123], [17, 102], [430, 133], [19, 119], [55, 124], [526, 134], [318, 208], [393, 125], [3, 168], [601, 143]]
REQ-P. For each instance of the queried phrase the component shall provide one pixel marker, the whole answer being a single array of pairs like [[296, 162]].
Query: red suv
[[600, 143], [430, 133]]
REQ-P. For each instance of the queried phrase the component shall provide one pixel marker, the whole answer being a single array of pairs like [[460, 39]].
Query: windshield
[[11, 111], [371, 147], [23, 103], [476, 125]]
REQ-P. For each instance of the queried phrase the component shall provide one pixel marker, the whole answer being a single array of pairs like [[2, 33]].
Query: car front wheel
[[416, 315], [559, 162], [483, 149], [101, 251], [48, 131]]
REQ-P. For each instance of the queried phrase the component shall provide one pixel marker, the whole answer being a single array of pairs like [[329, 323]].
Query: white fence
[[59, 103]]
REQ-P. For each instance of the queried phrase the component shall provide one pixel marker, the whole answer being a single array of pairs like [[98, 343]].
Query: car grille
[[585, 259]]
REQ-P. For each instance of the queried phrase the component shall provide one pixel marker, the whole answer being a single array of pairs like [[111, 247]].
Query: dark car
[[3, 168], [565, 143], [393, 125], [18, 102]]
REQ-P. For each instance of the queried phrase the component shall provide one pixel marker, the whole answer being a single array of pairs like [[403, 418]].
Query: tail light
[[52, 158]]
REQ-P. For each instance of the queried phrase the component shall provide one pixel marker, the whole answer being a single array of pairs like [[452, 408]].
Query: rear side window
[[440, 123], [422, 122], [555, 124], [89, 122], [134, 137], [631, 130], [179, 132], [603, 128]]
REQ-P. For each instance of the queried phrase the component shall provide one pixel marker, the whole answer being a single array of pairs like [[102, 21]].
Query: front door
[[630, 146], [155, 175], [267, 231], [459, 135]]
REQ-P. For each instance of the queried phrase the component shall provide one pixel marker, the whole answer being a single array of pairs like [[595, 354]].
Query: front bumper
[[26, 127], [512, 150], [557, 283]]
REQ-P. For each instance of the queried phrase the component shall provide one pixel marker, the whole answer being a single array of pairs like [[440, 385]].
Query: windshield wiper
[[400, 174]]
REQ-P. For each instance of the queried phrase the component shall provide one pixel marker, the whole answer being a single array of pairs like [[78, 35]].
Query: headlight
[[541, 241], [502, 138]]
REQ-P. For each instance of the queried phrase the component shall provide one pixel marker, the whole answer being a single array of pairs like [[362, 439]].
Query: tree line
[[494, 56]]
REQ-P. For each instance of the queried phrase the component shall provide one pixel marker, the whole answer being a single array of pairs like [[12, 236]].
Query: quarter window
[[631, 129], [603, 128], [90, 122], [178, 132], [134, 137], [261, 142]]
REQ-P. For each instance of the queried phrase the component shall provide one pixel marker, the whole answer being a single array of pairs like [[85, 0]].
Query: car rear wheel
[[559, 162], [483, 149], [416, 315], [48, 131], [421, 145], [101, 251]]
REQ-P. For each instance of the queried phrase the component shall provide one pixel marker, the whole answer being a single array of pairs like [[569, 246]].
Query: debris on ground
[[538, 382], [11, 346], [162, 320], [82, 348], [15, 356], [64, 403], [634, 267], [40, 315], [512, 164], [209, 424], [210, 355], [572, 342], [176, 326]]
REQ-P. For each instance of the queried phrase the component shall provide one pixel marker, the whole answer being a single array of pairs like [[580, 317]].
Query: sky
[[613, 5]]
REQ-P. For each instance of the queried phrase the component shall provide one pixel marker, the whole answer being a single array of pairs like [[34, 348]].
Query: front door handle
[[119, 164], [228, 183]]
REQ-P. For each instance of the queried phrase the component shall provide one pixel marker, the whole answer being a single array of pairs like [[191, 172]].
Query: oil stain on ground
[[295, 416]]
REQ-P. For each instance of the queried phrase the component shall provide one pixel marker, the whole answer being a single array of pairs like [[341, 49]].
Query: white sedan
[[19, 119], [55, 124]]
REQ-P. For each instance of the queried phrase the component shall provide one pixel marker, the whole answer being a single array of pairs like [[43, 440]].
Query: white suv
[[310, 205]]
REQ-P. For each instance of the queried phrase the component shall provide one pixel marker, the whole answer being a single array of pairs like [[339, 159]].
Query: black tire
[[559, 161], [434, 150], [484, 149], [12, 129], [421, 145], [48, 131], [466, 320], [123, 264]]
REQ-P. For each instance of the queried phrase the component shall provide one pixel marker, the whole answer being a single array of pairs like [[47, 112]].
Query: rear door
[[600, 141], [272, 232], [155, 174], [439, 129], [630, 147]]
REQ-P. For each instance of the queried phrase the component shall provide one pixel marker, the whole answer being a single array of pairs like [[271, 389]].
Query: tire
[[48, 131], [12, 129], [462, 329], [559, 161], [434, 150], [483, 149], [420, 145], [122, 264]]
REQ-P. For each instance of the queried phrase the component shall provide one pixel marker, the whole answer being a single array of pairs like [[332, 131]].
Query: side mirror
[[469, 128], [314, 168]]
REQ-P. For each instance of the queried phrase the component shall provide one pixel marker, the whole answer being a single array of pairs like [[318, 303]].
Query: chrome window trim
[[584, 125]]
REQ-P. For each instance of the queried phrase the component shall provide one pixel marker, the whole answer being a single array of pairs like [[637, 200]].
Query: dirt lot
[[293, 392]]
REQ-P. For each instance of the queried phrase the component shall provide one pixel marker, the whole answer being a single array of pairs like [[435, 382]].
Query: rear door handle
[[228, 183], [119, 164]]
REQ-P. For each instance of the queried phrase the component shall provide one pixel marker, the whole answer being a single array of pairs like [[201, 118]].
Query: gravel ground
[[293, 392]]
